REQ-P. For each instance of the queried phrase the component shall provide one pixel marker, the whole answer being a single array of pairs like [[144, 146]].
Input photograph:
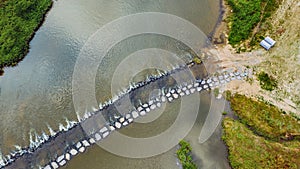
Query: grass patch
[[246, 16], [266, 120], [184, 155], [246, 150], [19, 20], [216, 92], [267, 82], [227, 95], [269, 7]]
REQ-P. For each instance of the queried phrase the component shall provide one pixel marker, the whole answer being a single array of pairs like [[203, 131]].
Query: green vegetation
[[19, 20], [249, 80], [246, 150], [246, 15], [267, 82], [184, 155], [227, 95], [263, 137], [266, 120], [269, 6], [224, 113], [197, 60], [216, 92]]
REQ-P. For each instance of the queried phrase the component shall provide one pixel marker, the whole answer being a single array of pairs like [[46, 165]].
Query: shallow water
[[211, 154], [38, 92]]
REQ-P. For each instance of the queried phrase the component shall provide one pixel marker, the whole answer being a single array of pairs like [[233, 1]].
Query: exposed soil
[[281, 62]]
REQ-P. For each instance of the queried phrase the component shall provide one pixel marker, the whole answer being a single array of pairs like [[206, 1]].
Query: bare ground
[[282, 61]]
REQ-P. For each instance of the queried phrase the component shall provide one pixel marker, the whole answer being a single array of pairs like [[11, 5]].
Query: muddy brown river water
[[38, 92]]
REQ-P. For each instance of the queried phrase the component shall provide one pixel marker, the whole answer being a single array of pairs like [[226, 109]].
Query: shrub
[[267, 82], [184, 155]]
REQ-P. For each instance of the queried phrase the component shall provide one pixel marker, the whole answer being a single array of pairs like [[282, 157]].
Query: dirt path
[[282, 61]]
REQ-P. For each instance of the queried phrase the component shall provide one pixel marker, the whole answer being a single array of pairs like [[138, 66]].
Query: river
[[38, 91]]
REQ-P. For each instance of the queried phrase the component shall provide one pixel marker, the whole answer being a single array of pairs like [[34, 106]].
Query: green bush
[[184, 155], [19, 20], [216, 92], [267, 82], [224, 113]]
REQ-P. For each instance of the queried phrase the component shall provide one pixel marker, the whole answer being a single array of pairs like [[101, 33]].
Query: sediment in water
[[61, 147], [64, 141]]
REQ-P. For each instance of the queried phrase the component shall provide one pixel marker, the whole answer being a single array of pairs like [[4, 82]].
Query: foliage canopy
[[18, 21]]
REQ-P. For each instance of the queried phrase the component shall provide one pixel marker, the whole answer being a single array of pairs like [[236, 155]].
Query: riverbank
[[243, 22], [281, 63], [19, 22], [262, 136]]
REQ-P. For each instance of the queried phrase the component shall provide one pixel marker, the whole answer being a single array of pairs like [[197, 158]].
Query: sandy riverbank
[[280, 62]]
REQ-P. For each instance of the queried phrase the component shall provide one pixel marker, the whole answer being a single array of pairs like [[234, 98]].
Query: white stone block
[[147, 109], [92, 141], [68, 156], [122, 119], [63, 162], [135, 114], [82, 149], [118, 125], [125, 123], [85, 143], [104, 129], [54, 165], [47, 167], [153, 106], [73, 152], [140, 109], [128, 116], [105, 134], [78, 145], [130, 120], [175, 95], [97, 137], [60, 158], [142, 113]]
